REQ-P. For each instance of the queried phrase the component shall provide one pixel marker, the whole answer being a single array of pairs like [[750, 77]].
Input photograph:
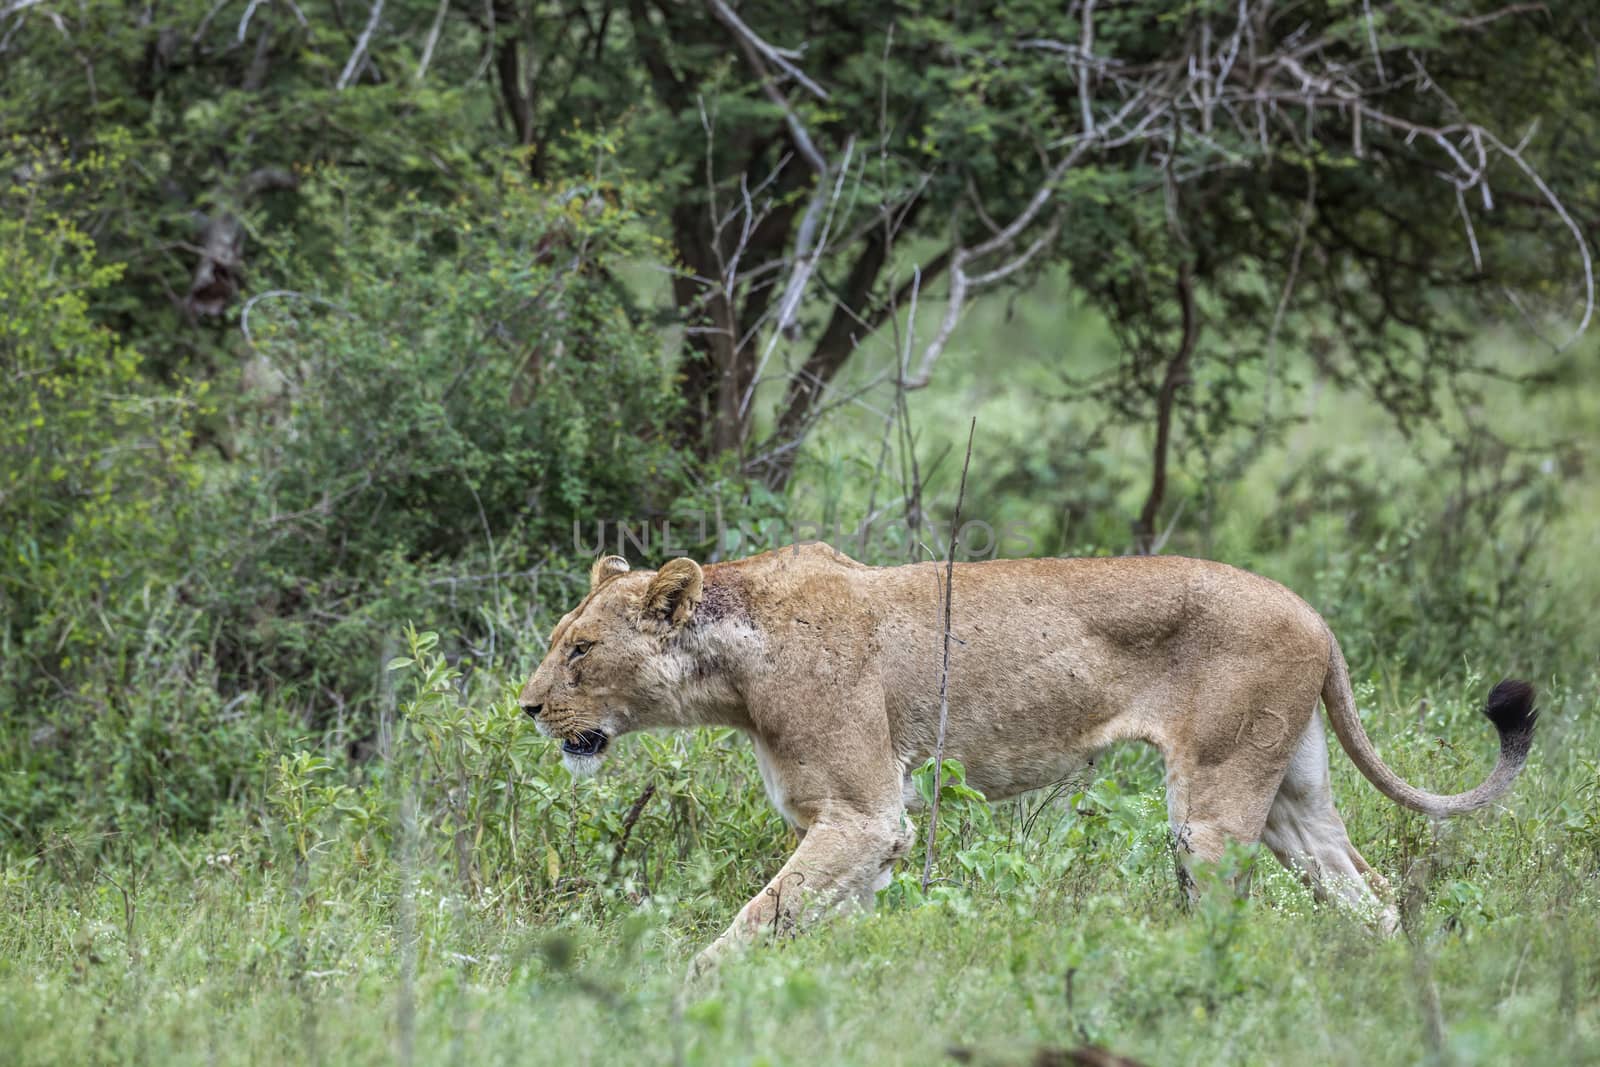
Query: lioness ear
[[604, 568], [673, 595]]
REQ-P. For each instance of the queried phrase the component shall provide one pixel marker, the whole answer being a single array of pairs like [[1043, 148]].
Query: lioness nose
[[532, 710]]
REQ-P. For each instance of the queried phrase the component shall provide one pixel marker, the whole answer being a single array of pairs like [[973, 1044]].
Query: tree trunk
[[1145, 541]]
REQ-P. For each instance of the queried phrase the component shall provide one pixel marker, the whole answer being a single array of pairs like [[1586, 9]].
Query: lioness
[[833, 669]]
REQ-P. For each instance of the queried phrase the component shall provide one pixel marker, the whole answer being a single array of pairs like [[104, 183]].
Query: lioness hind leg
[[1207, 814], [1224, 767], [1307, 835]]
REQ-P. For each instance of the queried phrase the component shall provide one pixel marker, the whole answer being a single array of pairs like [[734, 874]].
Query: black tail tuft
[[1511, 709]]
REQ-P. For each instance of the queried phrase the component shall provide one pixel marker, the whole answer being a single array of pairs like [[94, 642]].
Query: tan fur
[[832, 667]]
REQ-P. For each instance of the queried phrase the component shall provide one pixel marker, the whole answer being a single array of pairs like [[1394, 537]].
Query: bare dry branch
[[1477, 21], [1372, 39], [1234, 88], [244, 20], [808, 252], [1086, 51], [961, 283], [1466, 221], [1572, 226], [276, 294], [432, 41], [353, 66], [778, 57]]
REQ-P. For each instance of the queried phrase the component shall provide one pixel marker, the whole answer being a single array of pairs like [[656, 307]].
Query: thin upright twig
[[944, 669]]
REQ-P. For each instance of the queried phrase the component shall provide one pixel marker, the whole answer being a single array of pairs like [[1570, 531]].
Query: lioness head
[[612, 659]]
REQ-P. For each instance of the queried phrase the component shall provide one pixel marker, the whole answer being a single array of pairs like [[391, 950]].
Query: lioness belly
[[1001, 779]]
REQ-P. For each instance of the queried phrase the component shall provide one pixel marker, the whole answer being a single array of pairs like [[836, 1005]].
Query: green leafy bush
[[462, 384], [93, 492], [412, 436]]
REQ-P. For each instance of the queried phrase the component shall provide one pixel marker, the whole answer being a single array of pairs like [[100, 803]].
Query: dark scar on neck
[[722, 599]]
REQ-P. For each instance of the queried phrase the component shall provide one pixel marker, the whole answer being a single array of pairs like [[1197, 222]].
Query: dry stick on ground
[[944, 669]]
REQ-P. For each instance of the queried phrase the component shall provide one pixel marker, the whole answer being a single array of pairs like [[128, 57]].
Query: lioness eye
[[579, 649]]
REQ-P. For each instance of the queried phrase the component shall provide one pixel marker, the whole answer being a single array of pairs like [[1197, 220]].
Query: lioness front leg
[[843, 853]]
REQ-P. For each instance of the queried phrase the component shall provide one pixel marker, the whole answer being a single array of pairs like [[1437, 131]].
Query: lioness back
[[1051, 659]]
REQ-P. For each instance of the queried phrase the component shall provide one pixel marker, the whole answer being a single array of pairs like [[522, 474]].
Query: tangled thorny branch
[[1233, 93]]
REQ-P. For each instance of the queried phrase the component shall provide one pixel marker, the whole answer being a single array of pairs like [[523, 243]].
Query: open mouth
[[587, 743]]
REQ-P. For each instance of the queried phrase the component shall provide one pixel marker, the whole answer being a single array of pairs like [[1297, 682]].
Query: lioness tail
[[1510, 708]]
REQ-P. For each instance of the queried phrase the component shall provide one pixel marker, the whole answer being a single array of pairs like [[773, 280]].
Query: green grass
[[246, 960], [370, 949]]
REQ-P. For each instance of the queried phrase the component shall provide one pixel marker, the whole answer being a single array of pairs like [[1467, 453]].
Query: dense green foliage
[[433, 419], [328, 334], [424, 425]]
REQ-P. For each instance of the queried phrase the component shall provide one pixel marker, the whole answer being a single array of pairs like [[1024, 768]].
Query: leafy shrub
[[92, 493], [464, 383], [410, 437]]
